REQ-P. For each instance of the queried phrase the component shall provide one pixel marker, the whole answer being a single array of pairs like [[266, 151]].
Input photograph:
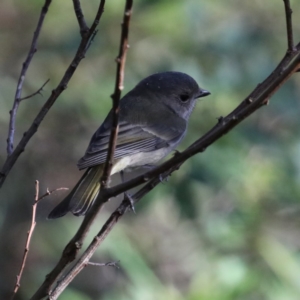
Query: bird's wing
[[132, 138]]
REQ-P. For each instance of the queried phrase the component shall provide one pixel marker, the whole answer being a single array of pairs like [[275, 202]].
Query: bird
[[153, 119]]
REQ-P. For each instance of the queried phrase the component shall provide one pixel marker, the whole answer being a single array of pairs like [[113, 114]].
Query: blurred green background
[[227, 224]]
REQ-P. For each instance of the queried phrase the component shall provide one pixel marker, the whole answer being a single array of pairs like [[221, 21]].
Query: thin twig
[[120, 60], [289, 25], [91, 39], [29, 235], [84, 29], [17, 99], [80, 54], [108, 264], [37, 198], [50, 192], [35, 93]]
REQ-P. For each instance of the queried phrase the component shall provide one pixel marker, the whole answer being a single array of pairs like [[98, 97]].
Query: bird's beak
[[203, 93]]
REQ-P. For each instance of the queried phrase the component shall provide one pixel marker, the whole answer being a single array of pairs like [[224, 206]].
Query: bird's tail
[[82, 196]]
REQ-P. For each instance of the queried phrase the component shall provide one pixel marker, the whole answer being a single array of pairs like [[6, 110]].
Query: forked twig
[[35, 93], [48, 192], [17, 99], [80, 54], [30, 233]]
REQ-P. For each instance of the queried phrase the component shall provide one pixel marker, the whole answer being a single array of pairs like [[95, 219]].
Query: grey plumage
[[152, 121]]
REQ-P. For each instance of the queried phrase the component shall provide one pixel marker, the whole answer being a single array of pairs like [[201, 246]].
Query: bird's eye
[[184, 97]]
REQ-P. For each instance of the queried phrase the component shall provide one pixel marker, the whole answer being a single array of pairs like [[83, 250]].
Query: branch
[[252, 103], [289, 25], [258, 98], [30, 233], [99, 238], [50, 192], [74, 245], [247, 107], [35, 93], [121, 59], [105, 230], [108, 264], [80, 18], [80, 54], [17, 100]]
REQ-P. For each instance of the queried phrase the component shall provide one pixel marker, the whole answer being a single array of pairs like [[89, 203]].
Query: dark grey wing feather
[[131, 139], [146, 131]]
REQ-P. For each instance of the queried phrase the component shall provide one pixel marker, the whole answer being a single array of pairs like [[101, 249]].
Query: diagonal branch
[[247, 107], [102, 234], [17, 100], [259, 97], [80, 54]]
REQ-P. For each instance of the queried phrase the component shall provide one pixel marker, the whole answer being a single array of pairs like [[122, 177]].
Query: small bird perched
[[153, 120]]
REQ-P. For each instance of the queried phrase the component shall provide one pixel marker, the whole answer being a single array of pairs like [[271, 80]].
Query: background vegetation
[[226, 225]]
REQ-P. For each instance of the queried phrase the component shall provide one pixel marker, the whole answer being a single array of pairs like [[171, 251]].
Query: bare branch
[[37, 198], [17, 99], [99, 238], [258, 98], [84, 29], [247, 107], [121, 59], [289, 25], [74, 245], [84, 259], [50, 192], [80, 54], [35, 93], [29, 235], [70, 251], [108, 264]]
